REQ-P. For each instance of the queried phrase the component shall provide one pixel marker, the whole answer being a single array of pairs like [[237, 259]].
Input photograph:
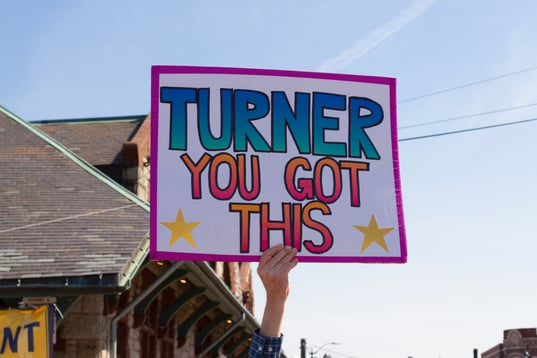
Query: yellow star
[[181, 229], [372, 233]]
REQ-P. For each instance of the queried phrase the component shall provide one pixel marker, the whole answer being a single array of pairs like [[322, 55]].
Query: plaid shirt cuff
[[265, 347]]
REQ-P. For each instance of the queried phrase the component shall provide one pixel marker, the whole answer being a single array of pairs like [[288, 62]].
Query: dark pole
[[475, 352], [303, 348]]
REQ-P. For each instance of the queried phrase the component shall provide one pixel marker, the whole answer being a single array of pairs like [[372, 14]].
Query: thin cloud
[[351, 54]]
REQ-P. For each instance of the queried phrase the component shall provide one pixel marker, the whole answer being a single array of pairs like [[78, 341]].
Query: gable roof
[[98, 140], [67, 230], [60, 218]]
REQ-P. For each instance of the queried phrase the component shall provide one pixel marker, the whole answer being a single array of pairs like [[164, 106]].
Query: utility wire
[[467, 85], [466, 116], [334, 352], [466, 130]]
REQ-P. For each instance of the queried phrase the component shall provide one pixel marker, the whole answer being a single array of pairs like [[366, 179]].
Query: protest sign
[[244, 159]]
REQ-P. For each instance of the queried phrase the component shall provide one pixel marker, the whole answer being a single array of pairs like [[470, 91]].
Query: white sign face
[[245, 159]]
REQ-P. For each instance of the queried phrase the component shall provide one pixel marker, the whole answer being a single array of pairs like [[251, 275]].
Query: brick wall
[[516, 343], [84, 331]]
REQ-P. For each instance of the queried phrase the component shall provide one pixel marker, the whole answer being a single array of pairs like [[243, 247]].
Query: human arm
[[273, 269]]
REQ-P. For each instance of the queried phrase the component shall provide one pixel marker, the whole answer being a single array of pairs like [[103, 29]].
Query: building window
[[167, 342], [156, 341], [149, 331], [123, 328]]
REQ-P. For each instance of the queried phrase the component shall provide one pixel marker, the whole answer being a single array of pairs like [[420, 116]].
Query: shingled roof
[[61, 220], [99, 139], [68, 230]]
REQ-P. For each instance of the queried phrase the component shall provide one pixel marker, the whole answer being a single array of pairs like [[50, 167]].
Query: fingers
[[283, 256], [276, 263], [278, 254], [268, 255], [293, 263], [272, 251]]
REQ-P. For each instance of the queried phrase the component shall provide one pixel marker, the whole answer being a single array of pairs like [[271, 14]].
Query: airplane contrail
[[351, 54]]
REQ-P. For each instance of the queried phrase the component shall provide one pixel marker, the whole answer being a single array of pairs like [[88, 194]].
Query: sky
[[469, 197]]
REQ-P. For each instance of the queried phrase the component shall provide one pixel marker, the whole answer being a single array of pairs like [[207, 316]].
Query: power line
[[466, 130], [467, 116], [466, 85], [334, 352]]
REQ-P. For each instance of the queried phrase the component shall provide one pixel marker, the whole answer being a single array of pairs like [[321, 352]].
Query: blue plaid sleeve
[[265, 347]]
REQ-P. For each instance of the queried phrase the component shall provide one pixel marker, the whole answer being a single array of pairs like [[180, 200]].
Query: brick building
[[517, 343], [70, 229]]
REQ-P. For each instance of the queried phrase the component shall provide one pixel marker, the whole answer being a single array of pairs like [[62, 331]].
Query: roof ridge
[[128, 118], [78, 160]]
